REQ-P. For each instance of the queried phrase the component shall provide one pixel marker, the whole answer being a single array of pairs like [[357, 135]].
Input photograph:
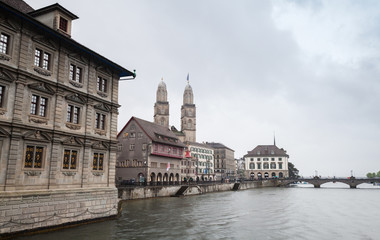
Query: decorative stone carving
[[37, 135], [42, 71], [100, 145], [32, 173], [76, 98], [76, 84], [38, 120], [97, 173], [100, 132], [6, 75], [102, 107], [74, 141], [102, 94], [73, 126], [5, 57], [2, 111], [42, 87], [69, 173]]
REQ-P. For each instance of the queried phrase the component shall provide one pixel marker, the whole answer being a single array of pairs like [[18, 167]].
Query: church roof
[[156, 132], [267, 151]]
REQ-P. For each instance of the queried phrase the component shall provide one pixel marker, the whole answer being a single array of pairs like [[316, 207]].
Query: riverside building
[[203, 159], [58, 116], [266, 161], [224, 161]]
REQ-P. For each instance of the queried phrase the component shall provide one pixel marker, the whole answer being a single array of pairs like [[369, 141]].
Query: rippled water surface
[[334, 212]]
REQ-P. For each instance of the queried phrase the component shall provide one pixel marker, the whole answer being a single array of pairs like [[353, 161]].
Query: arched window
[[251, 166], [273, 174], [280, 175]]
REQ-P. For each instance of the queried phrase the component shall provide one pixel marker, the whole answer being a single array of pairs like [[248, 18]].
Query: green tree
[[293, 171], [369, 175]]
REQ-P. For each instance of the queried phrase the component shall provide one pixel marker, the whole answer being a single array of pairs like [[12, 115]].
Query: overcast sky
[[306, 70]]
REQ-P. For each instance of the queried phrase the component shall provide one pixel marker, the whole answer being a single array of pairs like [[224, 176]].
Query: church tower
[[161, 107], [188, 114]]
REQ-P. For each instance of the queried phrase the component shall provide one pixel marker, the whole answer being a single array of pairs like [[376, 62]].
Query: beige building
[[58, 116], [266, 161], [148, 152], [203, 156], [224, 161]]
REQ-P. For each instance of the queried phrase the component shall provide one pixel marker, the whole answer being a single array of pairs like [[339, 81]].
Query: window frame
[[3, 95], [97, 168], [7, 44], [102, 84], [63, 24], [39, 61], [43, 157], [73, 73], [99, 122], [72, 114], [70, 159], [38, 105]]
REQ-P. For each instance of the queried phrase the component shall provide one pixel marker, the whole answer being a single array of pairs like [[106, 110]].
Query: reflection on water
[[331, 212]]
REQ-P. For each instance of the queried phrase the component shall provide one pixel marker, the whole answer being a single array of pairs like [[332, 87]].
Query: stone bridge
[[317, 182]]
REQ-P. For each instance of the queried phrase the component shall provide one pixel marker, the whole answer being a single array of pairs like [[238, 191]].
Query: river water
[[331, 212]]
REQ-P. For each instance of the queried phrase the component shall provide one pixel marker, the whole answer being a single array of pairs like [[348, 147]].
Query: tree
[[373, 175], [369, 175], [293, 171], [378, 174]]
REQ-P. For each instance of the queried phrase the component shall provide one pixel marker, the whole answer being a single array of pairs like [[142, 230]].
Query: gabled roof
[[267, 151], [19, 5], [156, 133]]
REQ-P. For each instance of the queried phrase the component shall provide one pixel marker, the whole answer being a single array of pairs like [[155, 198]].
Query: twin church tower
[[188, 112]]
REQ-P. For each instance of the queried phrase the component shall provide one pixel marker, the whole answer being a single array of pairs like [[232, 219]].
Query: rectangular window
[[38, 106], [4, 43], [131, 147], [279, 165], [70, 159], [73, 114], [132, 135], [102, 84], [98, 160], [63, 24], [100, 121], [279, 159], [33, 156], [42, 59], [2, 93], [144, 146], [75, 73]]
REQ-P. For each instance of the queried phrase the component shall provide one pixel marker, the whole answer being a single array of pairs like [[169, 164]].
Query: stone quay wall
[[27, 210], [131, 193]]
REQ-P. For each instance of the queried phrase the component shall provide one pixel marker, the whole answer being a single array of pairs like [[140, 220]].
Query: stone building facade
[[203, 157], [266, 161], [224, 161], [148, 152], [58, 117]]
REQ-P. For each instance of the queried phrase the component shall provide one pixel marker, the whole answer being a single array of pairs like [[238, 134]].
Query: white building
[[266, 161], [204, 157]]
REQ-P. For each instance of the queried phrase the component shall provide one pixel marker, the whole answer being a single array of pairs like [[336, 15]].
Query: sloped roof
[[156, 133], [266, 151], [204, 145], [218, 146], [51, 8], [19, 5]]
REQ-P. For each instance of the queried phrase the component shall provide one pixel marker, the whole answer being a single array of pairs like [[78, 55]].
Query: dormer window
[[63, 24]]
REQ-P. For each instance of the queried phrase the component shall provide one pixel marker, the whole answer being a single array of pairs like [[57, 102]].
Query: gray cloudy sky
[[306, 70]]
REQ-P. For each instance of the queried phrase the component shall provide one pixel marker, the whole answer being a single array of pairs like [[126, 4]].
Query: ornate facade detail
[[4, 57], [32, 173], [102, 94], [2, 111], [42, 71], [100, 132], [37, 135], [38, 120], [73, 126], [76, 84], [42, 87], [6, 75], [103, 107], [97, 174], [72, 141], [44, 41], [69, 173], [76, 98], [100, 145]]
